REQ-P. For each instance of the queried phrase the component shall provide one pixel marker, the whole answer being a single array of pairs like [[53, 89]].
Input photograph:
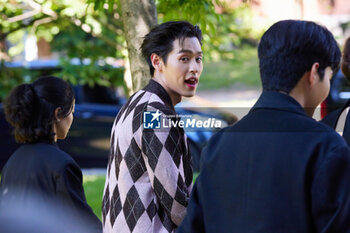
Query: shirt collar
[[278, 101], [159, 90]]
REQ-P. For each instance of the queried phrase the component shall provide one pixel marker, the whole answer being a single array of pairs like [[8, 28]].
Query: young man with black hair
[[149, 176], [277, 169]]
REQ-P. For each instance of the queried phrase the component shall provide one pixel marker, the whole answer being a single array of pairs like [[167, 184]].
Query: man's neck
[[301, 99], [175, 98]]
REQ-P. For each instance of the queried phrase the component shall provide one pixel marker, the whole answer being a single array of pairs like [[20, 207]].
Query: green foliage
[[9, 78], [225, 28], [94, 36], [75, 30], [92, 74], [93, 30], [200, 12]]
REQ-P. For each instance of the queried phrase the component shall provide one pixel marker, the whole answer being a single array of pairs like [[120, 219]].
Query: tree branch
[[36, 10], [4, 35], [104, 38], [24, 16]]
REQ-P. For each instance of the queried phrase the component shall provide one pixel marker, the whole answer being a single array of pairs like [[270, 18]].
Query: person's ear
[[57, 113], [313, 76], [157, 62]]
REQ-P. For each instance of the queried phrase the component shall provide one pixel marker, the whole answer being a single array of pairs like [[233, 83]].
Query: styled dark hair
[[345, 64], [160, 39], [30, 108], [289, 48]]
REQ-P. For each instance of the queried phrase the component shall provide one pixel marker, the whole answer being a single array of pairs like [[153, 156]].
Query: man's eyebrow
[[189, 51]]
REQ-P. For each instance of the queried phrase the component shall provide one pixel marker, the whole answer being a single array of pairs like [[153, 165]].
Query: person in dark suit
[[340, 119], [277, 169], [38, 171]]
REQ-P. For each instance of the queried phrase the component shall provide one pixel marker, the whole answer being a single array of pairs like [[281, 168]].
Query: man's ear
[[157, 62], [313, 76]]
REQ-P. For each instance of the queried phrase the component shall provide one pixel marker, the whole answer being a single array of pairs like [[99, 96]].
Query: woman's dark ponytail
[[30, 108]]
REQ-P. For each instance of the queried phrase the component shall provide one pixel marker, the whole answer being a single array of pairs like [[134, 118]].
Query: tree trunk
[[3, 51], [138, 16]]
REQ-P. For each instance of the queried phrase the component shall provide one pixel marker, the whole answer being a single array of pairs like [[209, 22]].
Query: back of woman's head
[[345, 64], [30, 108]]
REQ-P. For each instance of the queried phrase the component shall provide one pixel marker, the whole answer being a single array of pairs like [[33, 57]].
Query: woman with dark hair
[[340, 119], [41, 113]]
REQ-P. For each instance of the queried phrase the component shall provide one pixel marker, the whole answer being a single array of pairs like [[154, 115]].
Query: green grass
[[93, 186], [243, 69]]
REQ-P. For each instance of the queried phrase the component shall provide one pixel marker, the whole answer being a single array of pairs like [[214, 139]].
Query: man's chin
[[189, 94]]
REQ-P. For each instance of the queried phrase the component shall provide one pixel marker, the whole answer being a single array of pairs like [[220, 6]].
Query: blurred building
[[334, 14]]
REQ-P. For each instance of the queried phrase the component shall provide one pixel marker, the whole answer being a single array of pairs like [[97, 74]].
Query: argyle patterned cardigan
[[149, 173]]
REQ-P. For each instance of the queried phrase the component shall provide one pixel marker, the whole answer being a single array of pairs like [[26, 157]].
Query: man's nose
[[194, 67]]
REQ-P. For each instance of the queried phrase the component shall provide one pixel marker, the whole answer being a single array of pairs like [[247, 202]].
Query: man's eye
[[198, 59], [184, 59]]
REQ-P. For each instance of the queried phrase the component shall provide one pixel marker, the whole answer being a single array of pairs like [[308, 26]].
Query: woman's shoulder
[[51, 152], [43, 155], [40, 161]]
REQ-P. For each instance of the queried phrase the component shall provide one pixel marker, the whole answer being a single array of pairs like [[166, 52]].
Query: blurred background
[[94, 44], [86, 38]]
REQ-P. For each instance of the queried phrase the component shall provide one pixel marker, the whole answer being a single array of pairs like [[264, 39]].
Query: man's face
[[324, 85], [183, 68]]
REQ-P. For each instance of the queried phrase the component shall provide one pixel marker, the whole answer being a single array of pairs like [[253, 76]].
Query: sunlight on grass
[[93, 187], [243, 69]]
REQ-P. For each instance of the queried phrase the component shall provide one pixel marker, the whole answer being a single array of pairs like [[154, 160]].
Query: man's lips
[[191, 82]]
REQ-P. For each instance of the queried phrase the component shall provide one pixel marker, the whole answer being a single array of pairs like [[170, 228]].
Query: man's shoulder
[[280, 121], [138, 102], [154, 102], [145, 97]]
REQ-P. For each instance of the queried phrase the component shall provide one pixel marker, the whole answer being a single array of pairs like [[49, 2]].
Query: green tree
[[74, 29], [103, 29]]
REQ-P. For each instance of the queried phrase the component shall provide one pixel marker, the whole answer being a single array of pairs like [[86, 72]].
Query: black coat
[[43, 181], [276, 170], [332, 118]]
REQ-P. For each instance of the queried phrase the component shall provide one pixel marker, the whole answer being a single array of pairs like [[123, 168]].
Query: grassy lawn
[[243, 69], [93, 186]]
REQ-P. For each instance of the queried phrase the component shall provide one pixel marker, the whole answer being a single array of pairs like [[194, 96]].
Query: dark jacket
[[43, 174], [332, 118], [276, 170]]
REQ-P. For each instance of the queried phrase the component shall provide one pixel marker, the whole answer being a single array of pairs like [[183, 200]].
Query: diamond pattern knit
[[149, 175]]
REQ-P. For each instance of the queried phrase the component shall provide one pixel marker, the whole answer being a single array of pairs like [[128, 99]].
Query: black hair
[[30, 108], [289, 48], [345, 64], [160, 39]]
